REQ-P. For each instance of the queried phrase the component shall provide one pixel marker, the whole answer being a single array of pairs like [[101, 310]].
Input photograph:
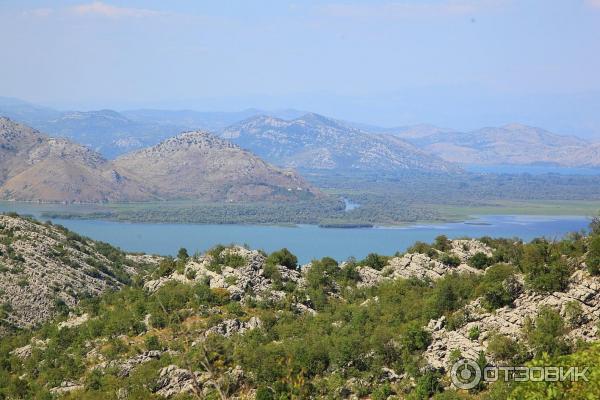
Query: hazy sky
[[457, 63]]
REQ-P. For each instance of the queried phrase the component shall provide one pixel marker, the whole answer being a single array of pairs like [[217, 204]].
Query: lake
[[308, 241]]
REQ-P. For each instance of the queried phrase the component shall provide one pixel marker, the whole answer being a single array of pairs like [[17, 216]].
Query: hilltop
[[201, 166], [195, 165], [36, 167]]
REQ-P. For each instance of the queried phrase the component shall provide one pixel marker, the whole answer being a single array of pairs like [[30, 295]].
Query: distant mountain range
[[113, 133], [314, 142], [197, 165], [293, 138], [513, 144]]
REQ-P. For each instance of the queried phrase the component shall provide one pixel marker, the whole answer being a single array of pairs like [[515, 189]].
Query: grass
[[530, 207]]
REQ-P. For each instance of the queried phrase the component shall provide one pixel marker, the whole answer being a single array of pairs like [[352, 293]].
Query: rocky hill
[[196, 165], [315, 142], [199, 165], [240, 323], [36, 167], [46, 269], [509, 144]]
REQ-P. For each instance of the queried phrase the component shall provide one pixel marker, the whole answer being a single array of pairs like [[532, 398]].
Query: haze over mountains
[[139, 155], [35, 167], [512, 144], [114, 133], [314, 142]]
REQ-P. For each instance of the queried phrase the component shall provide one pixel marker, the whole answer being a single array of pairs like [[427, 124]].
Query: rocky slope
[[509, 144], [201, 166], [45, 269], [239, 323], [36, 167], [195, 165], [318, 143]]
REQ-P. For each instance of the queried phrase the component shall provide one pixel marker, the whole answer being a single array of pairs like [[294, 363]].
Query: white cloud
[[106, 10], [407, 9], [592, 3]]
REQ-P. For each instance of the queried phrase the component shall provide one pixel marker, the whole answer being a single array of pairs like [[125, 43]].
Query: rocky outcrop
[[44, 268], [421, 266], [66, 387], [583, 290], [233, 326], [240, 281], [174, 381]]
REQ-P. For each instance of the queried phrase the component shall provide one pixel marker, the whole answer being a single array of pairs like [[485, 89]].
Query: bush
[[416, 338], [450, 260], [152, 343], [506, 349], [480, 261], [283, 257], [546, 333], [474, 333], [375, 261], [442, 243], [545, 270], [592, 258], [496, 287]]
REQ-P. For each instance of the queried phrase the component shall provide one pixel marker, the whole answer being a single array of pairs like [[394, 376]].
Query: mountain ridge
[[36, 167], [320, 143]]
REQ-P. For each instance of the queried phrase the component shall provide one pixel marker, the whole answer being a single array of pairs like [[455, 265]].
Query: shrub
[[442, 243], [506, 349], [592, 258], [152, 343], [495, 287], [416, 338], [375, 261], [423, 248], [546, 333], [283, 257], [545, 270], [480, 261], [450, 260], [474, 333]]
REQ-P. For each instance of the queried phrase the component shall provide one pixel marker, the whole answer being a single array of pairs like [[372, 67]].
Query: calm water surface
[[309, 242]]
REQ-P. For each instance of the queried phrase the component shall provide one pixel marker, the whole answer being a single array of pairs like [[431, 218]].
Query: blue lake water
[[309, 242]]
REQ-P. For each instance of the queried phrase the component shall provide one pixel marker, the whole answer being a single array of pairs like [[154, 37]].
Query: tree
[[480, 261], [283, 257], [592, 258], [442, 243], [546, 333], [375, 261]]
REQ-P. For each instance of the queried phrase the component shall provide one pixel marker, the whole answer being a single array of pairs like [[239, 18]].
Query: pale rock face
[[239, 281], [234, 326], [421, 266], [509, 321], [466, 249], [74, 321], [46, 268], [66, 387]]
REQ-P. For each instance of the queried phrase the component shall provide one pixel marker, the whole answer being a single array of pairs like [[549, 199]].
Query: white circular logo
[[465, 374]]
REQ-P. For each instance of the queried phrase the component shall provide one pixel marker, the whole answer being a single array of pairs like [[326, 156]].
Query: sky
[[460, 64]]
